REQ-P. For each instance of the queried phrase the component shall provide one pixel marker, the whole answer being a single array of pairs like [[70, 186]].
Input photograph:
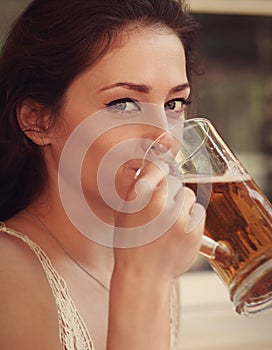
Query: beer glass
[[239, 219]]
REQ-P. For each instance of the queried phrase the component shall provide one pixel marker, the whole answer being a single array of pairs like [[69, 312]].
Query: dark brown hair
[[50, 44]]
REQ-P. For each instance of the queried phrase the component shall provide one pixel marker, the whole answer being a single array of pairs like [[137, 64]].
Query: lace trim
[[73, 332], [174, 315]]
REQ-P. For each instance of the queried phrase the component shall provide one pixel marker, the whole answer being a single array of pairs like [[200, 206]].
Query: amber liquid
[[238, 215]]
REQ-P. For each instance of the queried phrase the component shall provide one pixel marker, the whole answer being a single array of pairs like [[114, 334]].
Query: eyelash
[[184, 102], [113, 105], [136, 107]]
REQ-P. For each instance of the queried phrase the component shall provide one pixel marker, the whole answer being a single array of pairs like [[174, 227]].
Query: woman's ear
[[34, 121]]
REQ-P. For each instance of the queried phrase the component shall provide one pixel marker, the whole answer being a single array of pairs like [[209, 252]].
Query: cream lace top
[[73, 333]]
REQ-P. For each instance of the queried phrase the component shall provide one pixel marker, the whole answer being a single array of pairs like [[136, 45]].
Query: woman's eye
[[177, 105], [124, 105]]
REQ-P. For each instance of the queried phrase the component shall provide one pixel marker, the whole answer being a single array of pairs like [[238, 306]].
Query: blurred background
[[235, 90]]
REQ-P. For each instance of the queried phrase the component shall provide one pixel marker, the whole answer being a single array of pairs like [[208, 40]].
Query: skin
[[133, 70]]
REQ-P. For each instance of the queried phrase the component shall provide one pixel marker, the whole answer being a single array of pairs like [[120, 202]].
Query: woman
[[62, 62]]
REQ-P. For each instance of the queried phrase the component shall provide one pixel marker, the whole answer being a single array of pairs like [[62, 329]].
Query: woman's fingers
[[196, 219], [196, 212], [167, 195]]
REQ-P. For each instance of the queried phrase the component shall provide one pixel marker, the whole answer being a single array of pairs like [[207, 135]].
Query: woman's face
[[148, 68]]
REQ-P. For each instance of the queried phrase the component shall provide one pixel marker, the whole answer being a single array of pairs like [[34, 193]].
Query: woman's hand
[[143, 274], [168, 228]]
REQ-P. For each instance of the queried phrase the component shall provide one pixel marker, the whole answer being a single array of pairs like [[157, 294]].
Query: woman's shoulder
[[27, 303], [20, 267], [15, 255]]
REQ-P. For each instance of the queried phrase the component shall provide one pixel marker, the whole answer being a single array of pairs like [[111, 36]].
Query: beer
[[238, 226], [239, 216]]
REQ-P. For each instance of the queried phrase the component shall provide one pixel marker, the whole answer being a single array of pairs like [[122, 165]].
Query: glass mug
[[238, 229]]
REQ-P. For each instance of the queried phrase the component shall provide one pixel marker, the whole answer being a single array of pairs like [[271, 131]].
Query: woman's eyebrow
[[130, 86], [180, 88], [143, 87]]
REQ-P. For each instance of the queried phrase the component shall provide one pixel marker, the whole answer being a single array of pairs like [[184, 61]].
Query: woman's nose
[[154, 115], [164, 130], [167, 142], [164, 147], [163, 143]]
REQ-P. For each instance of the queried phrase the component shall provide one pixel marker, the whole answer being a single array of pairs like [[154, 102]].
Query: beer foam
[[216, 178]]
